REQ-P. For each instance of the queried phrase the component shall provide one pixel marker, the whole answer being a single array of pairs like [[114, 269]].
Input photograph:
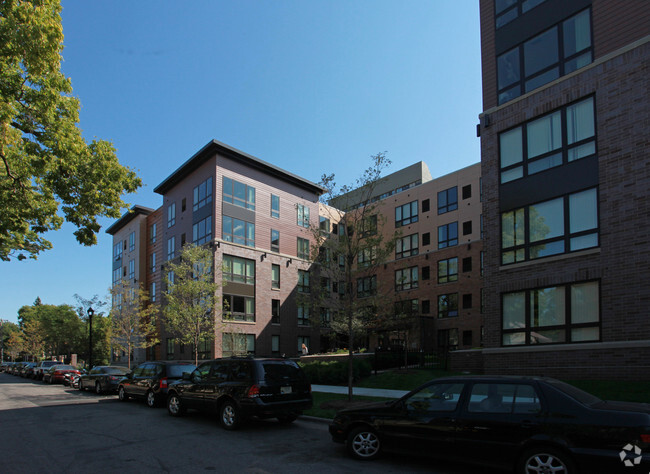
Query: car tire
[[545, 459], [175, 406], [80, 387], [122, 395], [150, 399], [363, 443], [229, 415], [98, 388], [286, 419]]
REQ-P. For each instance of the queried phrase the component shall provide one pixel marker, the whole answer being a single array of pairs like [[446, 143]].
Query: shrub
[[335, 372]]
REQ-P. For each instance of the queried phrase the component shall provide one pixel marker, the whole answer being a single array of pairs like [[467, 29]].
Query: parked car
[[15, 368], [103, 378], [69, 376], [27, 370], [529, 424], [56, 373], [150, 380], [238, 388], [4, 367], [42, 366]]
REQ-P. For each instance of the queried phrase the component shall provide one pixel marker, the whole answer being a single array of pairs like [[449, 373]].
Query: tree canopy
[[48, 173]]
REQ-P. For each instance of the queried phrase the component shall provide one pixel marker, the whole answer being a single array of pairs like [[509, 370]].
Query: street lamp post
[[90, 311], [2, 340]]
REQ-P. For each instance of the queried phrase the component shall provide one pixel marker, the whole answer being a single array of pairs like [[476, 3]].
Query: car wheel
[[229, 415], [98, 388], [122, 395], [363, 443], [545, 459], [175, 406], [150, 398], [286, 419], [80, 387]]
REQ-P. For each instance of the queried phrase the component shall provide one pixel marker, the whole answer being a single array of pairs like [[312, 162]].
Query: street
[[55, 429]]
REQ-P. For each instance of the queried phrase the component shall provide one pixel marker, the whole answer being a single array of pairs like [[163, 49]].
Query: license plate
[[285, 390]]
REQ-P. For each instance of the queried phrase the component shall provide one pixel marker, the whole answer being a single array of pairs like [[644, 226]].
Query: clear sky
[[311, 86]]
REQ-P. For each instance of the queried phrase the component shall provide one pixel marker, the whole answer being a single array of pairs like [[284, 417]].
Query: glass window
[[366, 286], [448, 305], [202, 231], [448, 200], [303, 281], [448, 235], [407, 246], [171, 248], [303, 248], [302, 215], [202, 194], [275, 276], [406, 214], [437, 397], [275, 206], [153, 233], [448, 270], [239, 308], [239, 270], [544, 134], [238, 193], [238, 231], [171, 214], [275, 311], [541, 52], [303, 315], [406, 279], [275, 240]]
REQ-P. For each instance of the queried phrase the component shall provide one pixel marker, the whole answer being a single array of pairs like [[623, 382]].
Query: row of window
[[233, 344]]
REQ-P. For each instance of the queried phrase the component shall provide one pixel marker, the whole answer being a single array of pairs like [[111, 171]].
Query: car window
[[137, 372], [503, 398], [116, 370], [274, 371], [177, 370], [201, 372], [435, 397], [240, 370], [95, 370], [221, 370]]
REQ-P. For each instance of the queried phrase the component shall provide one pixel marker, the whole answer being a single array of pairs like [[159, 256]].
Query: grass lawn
[[326, 404]]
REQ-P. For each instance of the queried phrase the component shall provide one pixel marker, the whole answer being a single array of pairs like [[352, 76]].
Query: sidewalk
[[366, 392]]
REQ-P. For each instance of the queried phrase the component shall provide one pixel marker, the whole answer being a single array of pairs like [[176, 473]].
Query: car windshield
[[278, 370], [116, 370], [575, 393], [178, 369]]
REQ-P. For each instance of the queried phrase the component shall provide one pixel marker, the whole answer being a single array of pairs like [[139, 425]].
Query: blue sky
[[312, 86]]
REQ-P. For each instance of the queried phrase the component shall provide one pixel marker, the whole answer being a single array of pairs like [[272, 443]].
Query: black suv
[[150, 380], [238, 388]]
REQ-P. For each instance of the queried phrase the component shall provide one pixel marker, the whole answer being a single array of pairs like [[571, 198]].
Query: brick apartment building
[[566, 178]]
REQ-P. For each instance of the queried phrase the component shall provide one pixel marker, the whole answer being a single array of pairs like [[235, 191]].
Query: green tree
[[352, 256], [101, 330], [61, 327], [15, 345], [48, 173], [34, 338], [7, 328], [189, 313], [133, 322]]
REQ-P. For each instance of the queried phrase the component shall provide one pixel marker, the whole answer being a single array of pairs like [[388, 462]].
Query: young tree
[[15, 345], [189, 313], [133, 323], [46, 167], [34, 339], [351, 257]]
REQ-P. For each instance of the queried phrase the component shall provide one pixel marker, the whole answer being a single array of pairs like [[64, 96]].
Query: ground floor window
[[239, 308], [237, 344], [554, 314]]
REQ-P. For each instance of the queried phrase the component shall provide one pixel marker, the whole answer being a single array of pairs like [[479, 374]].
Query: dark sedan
[[525, 424], [150, 380], [103, 378]]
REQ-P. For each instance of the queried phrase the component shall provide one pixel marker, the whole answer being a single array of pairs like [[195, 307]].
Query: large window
[[555, 52], [406, 214], [202, 231], [238, 231], [448, 200], [407, 246], [406, 279], [202, 194], [275, 206], [303, 248], [275, 240], [448, 305], [367, 256], [366, 286], [238, 270], [171, 214], [555, 139], [556, 314], [508, 10], [561, 225], [117, 251], [238, 193], [239, 308], [448, 235], [302, 215], [448, 270], [236, 344]]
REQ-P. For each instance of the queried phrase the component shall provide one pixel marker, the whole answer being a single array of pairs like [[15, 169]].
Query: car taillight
[[113, 377], [163, 382], [254, 391], [645, 438]]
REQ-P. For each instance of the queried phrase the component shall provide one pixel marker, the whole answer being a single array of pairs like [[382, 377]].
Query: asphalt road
[[54, 429]]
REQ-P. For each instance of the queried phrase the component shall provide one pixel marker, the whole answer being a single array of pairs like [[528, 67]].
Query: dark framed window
[[202, 194], [275, 206], [239, 308], [407, 246], [237, 344], [467, 228], [202, 231], [406, 279], [448, 339], [303, 248], [425, 205], [426, 239], [562, 225], [406, 214], [448, 235], [152, 233], [275, 311], [275, 240], [407, 307], [303, 281], [448, 200], [171, 214], [238, 270], [238, 231], [448, 270], [275, 345], [366, 286], [239, 194], [368, 226], [302, 215], [324, 225], [448, 305], [275, 276], [132, 241], [553, 53], [304, 315], [560, 137], [556, 314], [367, 256], [467, 191], [467, 264], [171, 248], [325, 317], [507, 10]]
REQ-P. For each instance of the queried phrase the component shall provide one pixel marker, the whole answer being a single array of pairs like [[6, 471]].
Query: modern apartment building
[[566, 178]]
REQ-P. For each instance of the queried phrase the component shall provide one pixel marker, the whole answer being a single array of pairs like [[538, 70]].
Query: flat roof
[[216, 147], [128, 217]]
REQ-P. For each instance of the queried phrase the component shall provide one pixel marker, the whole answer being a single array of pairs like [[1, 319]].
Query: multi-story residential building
[[566, 179], [256, 218], [433, 278]]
